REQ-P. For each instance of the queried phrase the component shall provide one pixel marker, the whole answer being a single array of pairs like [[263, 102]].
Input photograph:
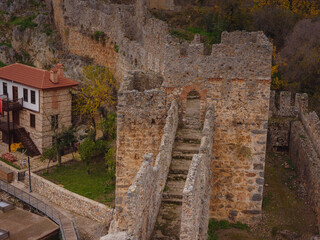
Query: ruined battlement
[[156, 69], [311, 123], [144, 43], [286, 104]]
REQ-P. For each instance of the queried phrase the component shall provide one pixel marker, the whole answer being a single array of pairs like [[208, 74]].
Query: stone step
[[188, 135], [178, 171], [168, 222], [181, 155], [180, 166], [186, 147], [177, 177], [175, 185], [173, 200], [166, 196]]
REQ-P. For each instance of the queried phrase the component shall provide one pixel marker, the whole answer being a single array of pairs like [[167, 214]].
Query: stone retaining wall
[[196, 193], [69, 200], [14, 170], [145, 194], [311, 123], [284, 108], [307, 163]]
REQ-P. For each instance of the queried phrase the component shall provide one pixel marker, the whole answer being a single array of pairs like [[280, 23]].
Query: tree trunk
[[94, 129], [59, 159], [48, 165], [88, 169]]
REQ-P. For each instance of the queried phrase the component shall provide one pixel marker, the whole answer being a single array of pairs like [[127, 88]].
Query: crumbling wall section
[[196, 193], [311, 123], [284, 108], [145, 194], [307, 163], [141, 121]]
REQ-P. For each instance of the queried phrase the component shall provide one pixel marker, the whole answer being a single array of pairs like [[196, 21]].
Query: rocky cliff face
[[28, 35]]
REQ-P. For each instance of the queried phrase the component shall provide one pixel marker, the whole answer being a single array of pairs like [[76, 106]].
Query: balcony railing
[[9, 105]]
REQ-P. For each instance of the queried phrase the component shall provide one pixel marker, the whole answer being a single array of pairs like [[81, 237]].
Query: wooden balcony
[[11, 105]]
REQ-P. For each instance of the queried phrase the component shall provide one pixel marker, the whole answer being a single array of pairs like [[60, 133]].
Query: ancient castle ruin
[[176, 100], [192, 119]]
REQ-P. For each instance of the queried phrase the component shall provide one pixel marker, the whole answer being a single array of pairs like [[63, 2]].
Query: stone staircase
[[187, 143]]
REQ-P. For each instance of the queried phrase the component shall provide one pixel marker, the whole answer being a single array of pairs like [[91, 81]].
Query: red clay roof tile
[[33, 77]]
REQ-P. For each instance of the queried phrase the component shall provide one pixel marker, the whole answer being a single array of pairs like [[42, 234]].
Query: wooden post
[[8, 117]]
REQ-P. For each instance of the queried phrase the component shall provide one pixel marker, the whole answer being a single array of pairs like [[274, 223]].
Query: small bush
[[6, 44], [215, 225], [23, 22], [116, 48], [47, 29], [2, 64], [180, 35], [99, 36]]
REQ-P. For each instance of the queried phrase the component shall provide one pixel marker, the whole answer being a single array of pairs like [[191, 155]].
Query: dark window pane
[[25, 95], [32, 120], [5, 89], [33, 97]]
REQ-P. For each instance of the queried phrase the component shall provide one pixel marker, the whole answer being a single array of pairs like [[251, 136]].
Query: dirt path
[[286, 211]]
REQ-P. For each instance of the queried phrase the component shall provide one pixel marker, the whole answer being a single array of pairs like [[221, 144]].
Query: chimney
[[54, 75], [60, 68]]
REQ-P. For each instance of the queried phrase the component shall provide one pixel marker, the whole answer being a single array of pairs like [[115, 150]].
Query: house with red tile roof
[[34, 102]]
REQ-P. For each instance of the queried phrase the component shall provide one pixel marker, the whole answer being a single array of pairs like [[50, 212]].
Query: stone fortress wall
[[157, 68], [292, 128], [196, 200], [145, 194], [284, 107], [241, 103]]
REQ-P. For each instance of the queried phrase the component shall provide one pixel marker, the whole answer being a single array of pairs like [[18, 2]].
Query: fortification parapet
[[282, 104]]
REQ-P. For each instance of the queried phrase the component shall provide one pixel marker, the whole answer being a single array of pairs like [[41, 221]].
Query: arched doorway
[[192, 117]]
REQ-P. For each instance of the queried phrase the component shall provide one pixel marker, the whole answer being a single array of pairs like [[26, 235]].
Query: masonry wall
[[141, 117], [144, 196], [52, 102], [69, 200], [236, 79], [284, 108], [235, 75], [196, 193], [307, 163], [55, 102]]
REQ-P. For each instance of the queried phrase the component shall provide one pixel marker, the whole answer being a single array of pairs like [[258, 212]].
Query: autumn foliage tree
[[96, 94]]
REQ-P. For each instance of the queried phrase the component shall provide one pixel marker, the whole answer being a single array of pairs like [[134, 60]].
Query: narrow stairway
[[27, 142], [187, 143]]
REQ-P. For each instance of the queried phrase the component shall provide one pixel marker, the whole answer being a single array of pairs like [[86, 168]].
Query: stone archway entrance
[[192, 113]]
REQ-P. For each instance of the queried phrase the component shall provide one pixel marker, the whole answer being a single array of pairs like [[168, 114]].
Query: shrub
[[23, 22], [116, 48], [99, 36]]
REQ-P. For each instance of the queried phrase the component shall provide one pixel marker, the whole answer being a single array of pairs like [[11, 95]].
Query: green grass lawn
[[99, 185], [9, 163]]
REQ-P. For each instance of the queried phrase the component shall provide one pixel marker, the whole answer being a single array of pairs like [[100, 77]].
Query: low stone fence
[[16, 172], [311, 123], [69, 200], [307, 163], [197, 189], [145, 194]]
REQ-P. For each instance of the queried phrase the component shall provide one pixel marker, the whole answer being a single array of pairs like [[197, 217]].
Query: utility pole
[[8, 119], [30, 190]]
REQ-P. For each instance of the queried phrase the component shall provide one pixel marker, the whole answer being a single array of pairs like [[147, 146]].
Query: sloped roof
[[33, 77]]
